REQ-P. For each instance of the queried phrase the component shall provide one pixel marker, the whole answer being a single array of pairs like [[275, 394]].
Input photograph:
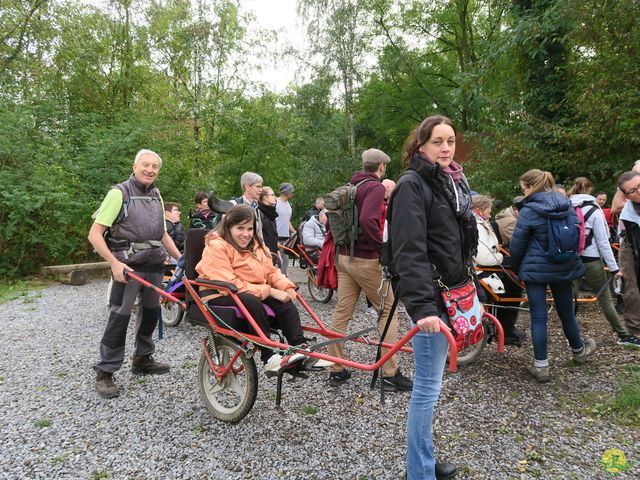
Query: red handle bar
[[166, 295]]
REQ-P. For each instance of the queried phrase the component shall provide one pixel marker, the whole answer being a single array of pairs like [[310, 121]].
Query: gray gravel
[[492, 420]]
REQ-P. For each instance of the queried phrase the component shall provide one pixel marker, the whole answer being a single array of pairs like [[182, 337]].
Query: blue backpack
[[563, 238]]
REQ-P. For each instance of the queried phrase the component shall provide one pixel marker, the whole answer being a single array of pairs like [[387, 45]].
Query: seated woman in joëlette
[[237, 255]]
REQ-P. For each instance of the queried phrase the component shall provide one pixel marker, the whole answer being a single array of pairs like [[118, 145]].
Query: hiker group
[[428, 233]]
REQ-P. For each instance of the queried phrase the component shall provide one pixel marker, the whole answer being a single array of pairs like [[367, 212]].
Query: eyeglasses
[[632, 191]]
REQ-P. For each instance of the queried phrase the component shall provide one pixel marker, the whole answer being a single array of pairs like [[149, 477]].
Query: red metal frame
[[320, 328], [261, 338]]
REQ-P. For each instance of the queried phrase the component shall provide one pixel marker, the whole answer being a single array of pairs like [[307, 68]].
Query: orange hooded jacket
[[251, 271]]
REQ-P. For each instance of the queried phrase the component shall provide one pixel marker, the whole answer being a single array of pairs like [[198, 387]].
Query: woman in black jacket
[[431, 225], [267, 207], [531, 260]]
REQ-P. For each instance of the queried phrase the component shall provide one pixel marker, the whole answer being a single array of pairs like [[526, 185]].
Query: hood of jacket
[[548, 204], [360, 176], [579, 198], [631, 212]]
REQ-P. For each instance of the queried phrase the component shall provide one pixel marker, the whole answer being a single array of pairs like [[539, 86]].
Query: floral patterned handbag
[[464, 311]]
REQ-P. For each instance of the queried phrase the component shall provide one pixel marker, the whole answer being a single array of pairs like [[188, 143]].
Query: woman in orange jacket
[[237, 256]]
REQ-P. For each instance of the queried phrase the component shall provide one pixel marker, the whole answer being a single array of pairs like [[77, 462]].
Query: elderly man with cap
[[283, 220], [362, 271]]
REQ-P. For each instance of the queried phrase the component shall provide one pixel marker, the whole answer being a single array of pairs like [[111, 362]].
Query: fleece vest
[[142, 225]]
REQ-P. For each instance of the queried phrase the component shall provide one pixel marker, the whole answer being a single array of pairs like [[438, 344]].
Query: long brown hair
[[581, 185], [237, 215], [421, 134], [538, 181]]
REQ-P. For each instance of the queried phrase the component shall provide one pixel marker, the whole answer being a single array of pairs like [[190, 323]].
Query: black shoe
[[338, 378], [397, 383], [516, 338], [445, 470], [629, 341], [146, 364]]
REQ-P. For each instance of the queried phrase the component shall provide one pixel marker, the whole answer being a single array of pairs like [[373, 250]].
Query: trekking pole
[[384, 292]]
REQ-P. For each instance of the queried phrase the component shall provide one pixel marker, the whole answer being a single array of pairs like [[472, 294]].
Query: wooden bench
[[75, 274]]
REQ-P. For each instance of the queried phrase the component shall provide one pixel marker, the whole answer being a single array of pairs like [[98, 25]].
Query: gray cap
[[375, 157], [286, 189]]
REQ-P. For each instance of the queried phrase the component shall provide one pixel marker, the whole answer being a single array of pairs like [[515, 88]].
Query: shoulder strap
[[124, 209], [428, 201], [426, 190], [589, 238], [496, 230], [363, 181]]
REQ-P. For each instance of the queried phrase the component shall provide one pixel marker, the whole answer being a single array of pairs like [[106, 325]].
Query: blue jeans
[[429, 356], [563, 298]]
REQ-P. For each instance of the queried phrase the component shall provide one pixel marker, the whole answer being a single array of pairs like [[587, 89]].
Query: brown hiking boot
[[105, 385], [146, 364]]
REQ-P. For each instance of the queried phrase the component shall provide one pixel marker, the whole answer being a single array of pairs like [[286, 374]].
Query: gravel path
[[492, 420]]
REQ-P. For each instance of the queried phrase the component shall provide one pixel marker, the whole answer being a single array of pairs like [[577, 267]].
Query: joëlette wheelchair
[[227, 373]]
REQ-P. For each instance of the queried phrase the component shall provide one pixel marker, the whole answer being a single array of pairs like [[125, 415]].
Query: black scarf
[[458, 195], [268, 211]]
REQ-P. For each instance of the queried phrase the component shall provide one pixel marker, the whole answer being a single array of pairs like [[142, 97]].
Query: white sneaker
[[322, 363], [291, 359], [273, 364]]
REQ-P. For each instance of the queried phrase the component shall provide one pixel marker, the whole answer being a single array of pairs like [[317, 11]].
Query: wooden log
[[74, 277], [57, 269]]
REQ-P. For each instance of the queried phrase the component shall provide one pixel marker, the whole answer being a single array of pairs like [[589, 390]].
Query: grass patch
[[44, 422], [625, 406], [310, 409], [198, 428], [100, 474], [59, 459], [2, 378], [21, 289]]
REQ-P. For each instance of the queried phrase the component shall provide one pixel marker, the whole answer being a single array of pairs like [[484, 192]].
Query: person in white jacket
[[597, 248], [489, 255], [314, 231]]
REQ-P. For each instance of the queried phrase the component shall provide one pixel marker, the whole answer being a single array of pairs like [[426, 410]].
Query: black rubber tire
[[172, 313], [470, 354], [319, 294], [231, 399]]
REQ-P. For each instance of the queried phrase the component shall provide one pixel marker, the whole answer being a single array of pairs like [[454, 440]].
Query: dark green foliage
[[551, 84]]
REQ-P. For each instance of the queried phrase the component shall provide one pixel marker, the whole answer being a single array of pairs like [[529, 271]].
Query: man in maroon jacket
[[363, 272]]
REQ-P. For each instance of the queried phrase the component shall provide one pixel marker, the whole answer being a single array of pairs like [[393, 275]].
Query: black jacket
[[176, 232], [312, 212], [269, 228], [421, 236]]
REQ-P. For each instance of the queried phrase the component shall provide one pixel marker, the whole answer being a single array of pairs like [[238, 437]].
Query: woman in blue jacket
[[528, 250]]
